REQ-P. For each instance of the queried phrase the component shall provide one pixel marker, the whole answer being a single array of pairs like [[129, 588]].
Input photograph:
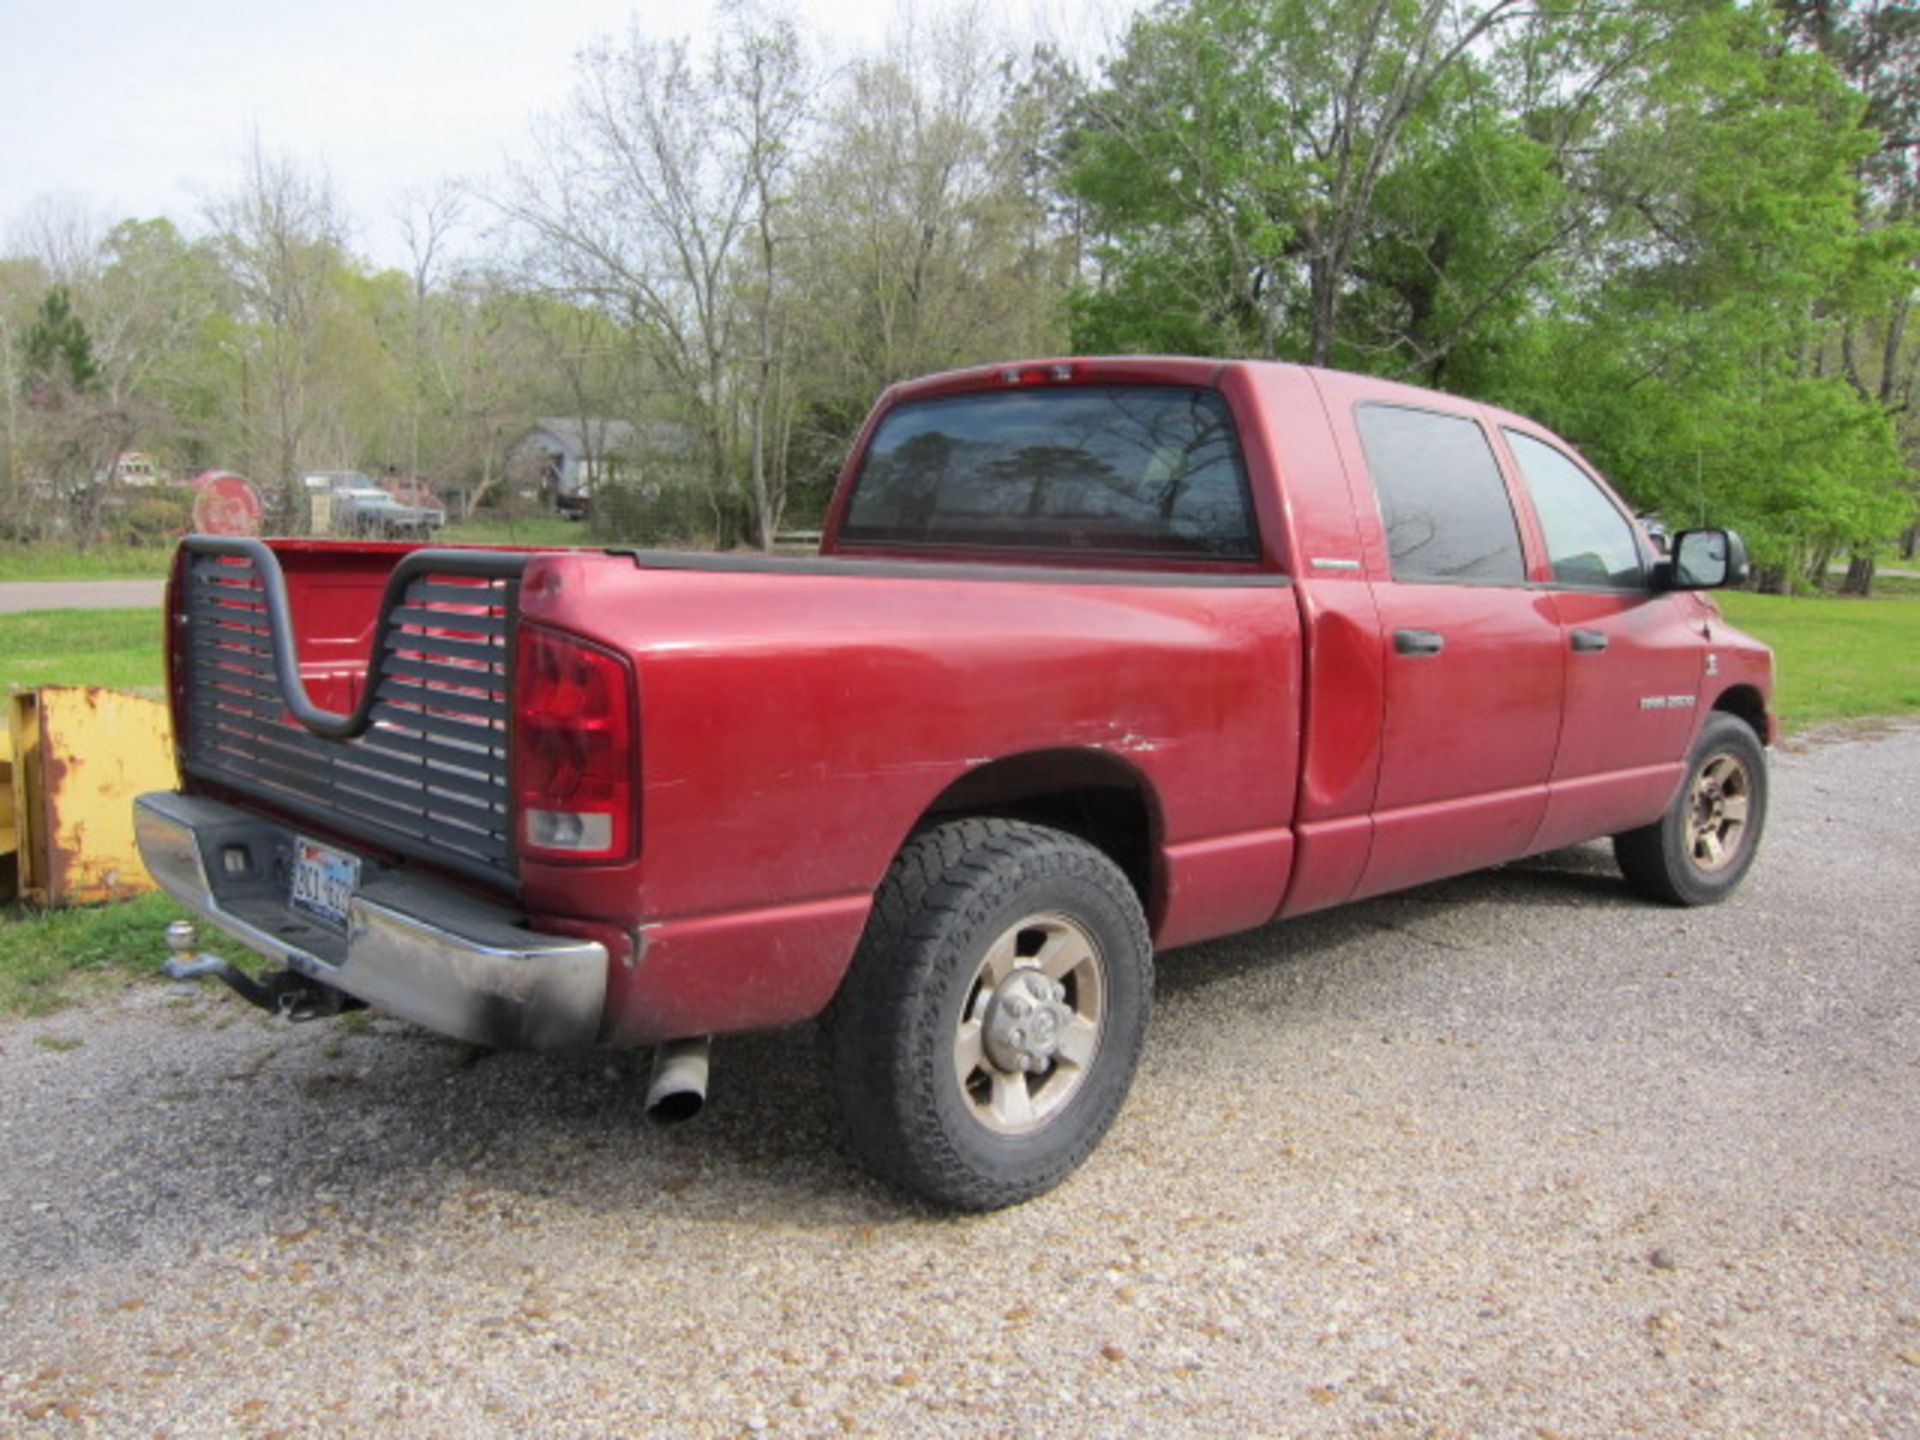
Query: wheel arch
[[1088, 793], [1745, 703]]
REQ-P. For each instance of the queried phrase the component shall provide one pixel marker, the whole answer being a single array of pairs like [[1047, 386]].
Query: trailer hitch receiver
[[281, 992]]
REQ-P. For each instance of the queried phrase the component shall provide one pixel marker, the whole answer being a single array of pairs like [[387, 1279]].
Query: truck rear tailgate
[[421, 770]]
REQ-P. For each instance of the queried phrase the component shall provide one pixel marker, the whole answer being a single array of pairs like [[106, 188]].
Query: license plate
[[323, 881]]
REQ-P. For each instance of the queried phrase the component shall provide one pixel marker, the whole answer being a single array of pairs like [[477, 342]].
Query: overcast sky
[[137, 108]]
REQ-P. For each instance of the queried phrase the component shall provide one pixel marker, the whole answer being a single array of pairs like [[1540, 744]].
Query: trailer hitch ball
[[284, 992]]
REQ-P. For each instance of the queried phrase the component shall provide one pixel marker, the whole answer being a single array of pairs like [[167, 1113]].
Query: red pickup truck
[[1100, 657]]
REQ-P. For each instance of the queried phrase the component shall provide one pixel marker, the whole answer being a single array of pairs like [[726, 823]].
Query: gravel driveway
[[1515, 1155]]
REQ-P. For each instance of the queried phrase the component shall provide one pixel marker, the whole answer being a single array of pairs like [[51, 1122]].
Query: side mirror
[[1703, 560]]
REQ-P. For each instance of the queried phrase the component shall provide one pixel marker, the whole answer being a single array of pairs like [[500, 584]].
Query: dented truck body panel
[[795, 728], [1259, 722]]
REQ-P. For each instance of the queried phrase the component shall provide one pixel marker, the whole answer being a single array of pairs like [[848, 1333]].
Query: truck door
[[1472, 655], [1633, 657]]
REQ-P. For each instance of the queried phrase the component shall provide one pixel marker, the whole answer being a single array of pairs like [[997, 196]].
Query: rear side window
[[1591, 543], [1126, 469], [1446, 509]]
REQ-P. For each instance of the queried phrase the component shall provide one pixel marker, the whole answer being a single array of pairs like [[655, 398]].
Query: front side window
[[1442, 499], [1590, 542], [1148, 470]]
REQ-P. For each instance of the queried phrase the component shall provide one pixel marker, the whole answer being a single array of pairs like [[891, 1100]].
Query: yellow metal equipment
[[71, 760], [9, 835]]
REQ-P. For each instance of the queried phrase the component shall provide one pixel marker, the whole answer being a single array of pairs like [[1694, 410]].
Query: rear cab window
[[1443, 501], [1148, 471]]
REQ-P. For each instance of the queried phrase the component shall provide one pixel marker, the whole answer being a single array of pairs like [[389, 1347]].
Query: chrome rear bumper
[[416, 948]]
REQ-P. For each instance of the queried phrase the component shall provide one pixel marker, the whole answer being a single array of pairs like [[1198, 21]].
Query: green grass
[[1835, 659], [51, 958], [537, 530], [103, 562], [1896, 587], [121, 649]]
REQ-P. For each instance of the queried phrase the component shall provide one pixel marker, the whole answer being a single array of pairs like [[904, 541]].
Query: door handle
[[1588, 642], [1418, 642]]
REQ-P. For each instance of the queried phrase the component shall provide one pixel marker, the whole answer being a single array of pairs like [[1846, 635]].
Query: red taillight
[[574, 742]]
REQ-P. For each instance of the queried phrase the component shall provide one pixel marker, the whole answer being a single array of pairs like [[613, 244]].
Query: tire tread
[[886, 1049], [1653, 857]]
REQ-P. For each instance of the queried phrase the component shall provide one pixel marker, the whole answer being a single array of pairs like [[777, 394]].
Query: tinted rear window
[[1446, 508], [1126, 469]]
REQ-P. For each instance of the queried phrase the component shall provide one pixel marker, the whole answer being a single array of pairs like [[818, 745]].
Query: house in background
[[138, 470], [567, 459]]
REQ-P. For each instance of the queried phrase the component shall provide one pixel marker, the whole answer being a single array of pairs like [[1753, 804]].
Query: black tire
[[1698, 851], [977, 924]]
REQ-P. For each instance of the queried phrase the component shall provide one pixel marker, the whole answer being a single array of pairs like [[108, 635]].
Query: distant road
[[19, 595]]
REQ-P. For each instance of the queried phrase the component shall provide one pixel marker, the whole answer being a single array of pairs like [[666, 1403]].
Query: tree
[[1684, 352], [58, 349], [281, 238], [657, 199], [763, 70], [1235, 158], [1639, 224], [76, 427], [20, 282], [1876, 45], [163, 308], [930, 237], [428, 222]]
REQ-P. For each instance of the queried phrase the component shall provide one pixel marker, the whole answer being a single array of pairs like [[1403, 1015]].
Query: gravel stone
[[1408, 1168]]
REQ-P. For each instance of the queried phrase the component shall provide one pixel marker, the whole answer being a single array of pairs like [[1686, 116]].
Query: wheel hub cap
[[1030, 1025], [1721, 803], [1024, 1021]]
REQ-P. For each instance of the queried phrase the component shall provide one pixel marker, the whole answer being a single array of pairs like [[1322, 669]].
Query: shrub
[[673, 509]]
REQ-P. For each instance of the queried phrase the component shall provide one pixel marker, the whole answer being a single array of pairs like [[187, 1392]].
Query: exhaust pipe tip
[[678, 1088], [676, 1107]]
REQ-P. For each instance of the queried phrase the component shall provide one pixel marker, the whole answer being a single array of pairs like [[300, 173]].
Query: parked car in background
[[357, 506], [411, 490]]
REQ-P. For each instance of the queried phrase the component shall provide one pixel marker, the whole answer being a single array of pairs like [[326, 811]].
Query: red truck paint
[[791, 740], [798, 720], [797, 726]]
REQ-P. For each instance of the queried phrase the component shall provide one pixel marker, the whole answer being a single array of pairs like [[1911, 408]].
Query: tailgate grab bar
[[331, 724]]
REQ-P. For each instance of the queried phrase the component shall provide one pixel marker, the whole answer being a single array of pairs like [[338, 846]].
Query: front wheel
[[987, 1032], [1698, 851]]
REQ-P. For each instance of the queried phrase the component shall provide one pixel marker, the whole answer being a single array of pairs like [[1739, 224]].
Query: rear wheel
[[1700, 849], [988, 1030]]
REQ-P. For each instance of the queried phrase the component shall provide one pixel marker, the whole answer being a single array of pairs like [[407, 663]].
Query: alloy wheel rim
[[1720, 806], [1031, 1024]]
